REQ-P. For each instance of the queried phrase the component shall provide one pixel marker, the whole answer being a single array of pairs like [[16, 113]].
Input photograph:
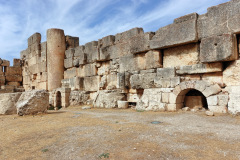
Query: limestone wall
[[10, 76], [155, 70]]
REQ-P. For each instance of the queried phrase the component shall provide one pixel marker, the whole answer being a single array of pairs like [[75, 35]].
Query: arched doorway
[[58, 100], [195, 99], [185, 91]]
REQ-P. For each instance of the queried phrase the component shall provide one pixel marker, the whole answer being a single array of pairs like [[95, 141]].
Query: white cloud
[[86, 19]]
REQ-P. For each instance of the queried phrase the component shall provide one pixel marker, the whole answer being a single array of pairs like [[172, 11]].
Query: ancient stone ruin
[[193, 62]]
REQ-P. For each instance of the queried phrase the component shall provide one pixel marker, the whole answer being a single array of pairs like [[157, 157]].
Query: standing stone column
[[55, 57]]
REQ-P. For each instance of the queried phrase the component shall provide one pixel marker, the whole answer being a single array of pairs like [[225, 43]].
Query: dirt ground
[[74, 133]]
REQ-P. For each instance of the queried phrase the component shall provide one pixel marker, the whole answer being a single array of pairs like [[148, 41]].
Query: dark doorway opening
[[195, 99], [58, 100]]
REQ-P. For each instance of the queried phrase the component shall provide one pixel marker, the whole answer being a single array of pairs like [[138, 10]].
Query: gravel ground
[[74, 133]]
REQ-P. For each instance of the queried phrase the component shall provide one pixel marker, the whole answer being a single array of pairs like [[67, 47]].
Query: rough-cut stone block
[[13, 71], [133, 97], [34, 39], [166, 72], [68, 63], [72, 42], [33, 60], [106, 41], [124, 36], [108, 99], [132, 63], [234, 100], [181, 55], [213, 89], [5, 63], [186, 18], [72, 72], [91, 50], [69, 53], [140, 43], [218, 109], [122, 104], [16, 62], [112, 81], [43, 76], [214, 78], [14, 78], [91, 83], [32, 102], [24, 54], [220, 19], [231, 75], [78, 97], [200, 68], [223, 100], [8, 103], [212, 100], [87, 70], [153, 59], [142, 81], [162, 82], [104, 69], [219, 48], [175, 34], [173, 107], [42, 67]]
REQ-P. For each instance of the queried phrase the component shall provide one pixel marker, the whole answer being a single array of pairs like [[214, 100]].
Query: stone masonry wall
[[154, 70]]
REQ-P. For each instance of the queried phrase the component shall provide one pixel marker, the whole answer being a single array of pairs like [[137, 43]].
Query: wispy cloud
[[89, 20]]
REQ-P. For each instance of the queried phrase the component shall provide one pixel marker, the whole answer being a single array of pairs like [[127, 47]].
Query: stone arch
[[179, 92]]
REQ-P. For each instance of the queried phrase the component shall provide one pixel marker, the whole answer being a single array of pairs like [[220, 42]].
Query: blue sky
[[87, 19]]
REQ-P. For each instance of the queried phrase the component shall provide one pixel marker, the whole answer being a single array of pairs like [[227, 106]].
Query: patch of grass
[[139, 110], [44, 150], [116, 122], [104, 155]]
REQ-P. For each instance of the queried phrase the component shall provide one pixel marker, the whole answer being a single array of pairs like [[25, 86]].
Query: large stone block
[[220, 19], [108, 99], [69, 73], [106, 41], [169, 72], [32, 102], [181, 55], [13, 71], [14, 78], [125, 36], [24, 54], [16, 62], [5, 63], [68, 63], [87, 70], [132, 63], [231, 75], [72, 42], [42, 67], [75, 83], [214, 78], [142, 81], [69, 53], [78, 97], [233, 104], [104, 69], [91, 50], [34, 39], [200, 68], [154, 59], [8, 103], [176, 34], [91, 83], [219, 48]]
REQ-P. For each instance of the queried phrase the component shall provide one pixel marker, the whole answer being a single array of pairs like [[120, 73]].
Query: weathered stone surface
[[104, 69], [214, 78], [70, 73], [200, 68], [213, 89], [218, 109], [14, 78], [124, 36], [2, 80], [87, 70], [68, 63], [34, 39], [13, 71], [72, 42], [122, 104], [220, 19], [108, 99], [132, 63], [32, 102], [186, 109], [75, 83], [106, 41], [91, 83], [16, 62], [80, 55], [186, 18], [234, 100], [69, 53], [78, 97], [175, 34], [219, 48], [209, 113], [153, 59], [231, 75], [142, 81], [8, 103], [151, 100], [91, 50], [181, 55], [166, 72]]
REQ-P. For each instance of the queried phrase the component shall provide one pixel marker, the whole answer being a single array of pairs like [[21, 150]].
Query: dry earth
[[119, 134]]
